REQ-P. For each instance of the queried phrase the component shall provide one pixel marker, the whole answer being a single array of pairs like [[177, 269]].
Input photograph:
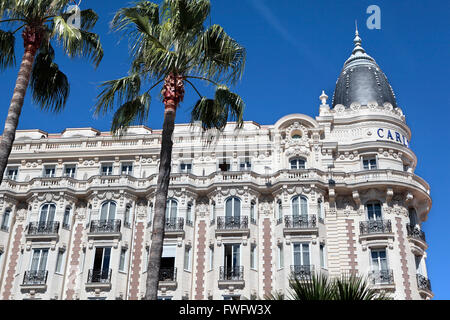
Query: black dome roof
[[362, 81]]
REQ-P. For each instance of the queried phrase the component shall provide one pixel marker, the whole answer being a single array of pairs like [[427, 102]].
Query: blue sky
[[296, 49]]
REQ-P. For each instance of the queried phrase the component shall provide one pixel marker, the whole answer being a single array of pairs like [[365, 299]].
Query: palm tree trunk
[[32, 39], [173, 93]]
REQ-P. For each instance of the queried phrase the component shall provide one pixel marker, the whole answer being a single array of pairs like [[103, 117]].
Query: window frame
[[70, 166], [104, 164], [128, 172], [298, 167], [300, 244], [49, 167], [233, 207], [16, 173], [368, 158], [5, 222]]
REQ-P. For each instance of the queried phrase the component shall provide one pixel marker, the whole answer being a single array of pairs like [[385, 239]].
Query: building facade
[[246, 208]]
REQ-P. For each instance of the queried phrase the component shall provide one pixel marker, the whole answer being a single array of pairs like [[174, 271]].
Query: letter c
[[379, 133]]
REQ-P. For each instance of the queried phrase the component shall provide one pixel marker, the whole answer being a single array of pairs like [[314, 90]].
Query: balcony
[[168, 278], [99, 279], [104, 229], [234, 226], [35, 280], [300, 225], [417, 239], [302, 272], [174, 227], [231, 277], [424, 286], [375, 230], [382, 279], [42, 231]]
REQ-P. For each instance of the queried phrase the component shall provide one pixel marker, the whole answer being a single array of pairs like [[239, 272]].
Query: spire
[[357, 41]]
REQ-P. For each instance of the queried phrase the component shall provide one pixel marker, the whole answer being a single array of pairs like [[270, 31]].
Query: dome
[[362, 81]]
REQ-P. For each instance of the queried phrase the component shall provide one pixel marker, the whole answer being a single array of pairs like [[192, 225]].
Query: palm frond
[[315, 287], [187, 16], [7, 54], [50, 87], [118, 91], [218, 56], [214, 113], [353, 287], [88, 18], [132, 112]]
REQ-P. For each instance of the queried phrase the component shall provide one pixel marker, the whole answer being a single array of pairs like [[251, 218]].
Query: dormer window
[[12, 172], [186, 167], [107, 169], [127, 168], [69, 170], [297, 164]]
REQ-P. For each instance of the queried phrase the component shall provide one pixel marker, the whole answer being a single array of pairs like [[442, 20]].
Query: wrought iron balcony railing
[[99, 276], [235, 273], [168, 274], [302, 272], [232, 223], [43, 228], [105, 226], [423, 283], [415, 232], [375, 226], [382, 276], [300, 221], [35, 277], [174, 224]]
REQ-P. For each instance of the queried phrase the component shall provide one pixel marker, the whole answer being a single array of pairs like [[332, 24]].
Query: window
[[66, 218], [301, 254], [213, 211], [168, 263], [245, 165], [280, 210], [373, 211], [107, 169], [47, 214], [49, 171], [232, 259], [320, 210], [379, 260], [299, 206], [39, 260], [127, 168], [127, 216], [5, 220], [149, 214], [146, 258], [297, 164], [187, 259], [413, 220], [323, 264], [186, 167], [171, 209], [233, 207], [253, 257], [123, 253], [100, 270], [232, 297], [280, 257], [69, 170], [224, 165], [59, 261], [369, 163], [419, 268], [189, 212], [12, 172], [211, 258], [252, 212], [108, 211]]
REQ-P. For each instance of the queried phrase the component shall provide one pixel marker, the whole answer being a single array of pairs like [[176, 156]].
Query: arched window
[[373, 210], [299, 206], [66, 218], [233, 207], [47, 213], [108, 211], [297, 164], [413, 219], [171, 209], [5, 220]]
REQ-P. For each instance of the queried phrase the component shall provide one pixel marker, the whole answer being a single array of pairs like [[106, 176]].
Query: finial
[[357, 41], [323, 97]]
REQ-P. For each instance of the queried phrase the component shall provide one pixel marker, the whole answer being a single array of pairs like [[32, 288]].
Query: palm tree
[[171, 45], [42, 22], [321, 287]]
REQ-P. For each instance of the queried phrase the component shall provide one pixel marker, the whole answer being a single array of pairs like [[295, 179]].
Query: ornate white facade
[[332, 194]]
